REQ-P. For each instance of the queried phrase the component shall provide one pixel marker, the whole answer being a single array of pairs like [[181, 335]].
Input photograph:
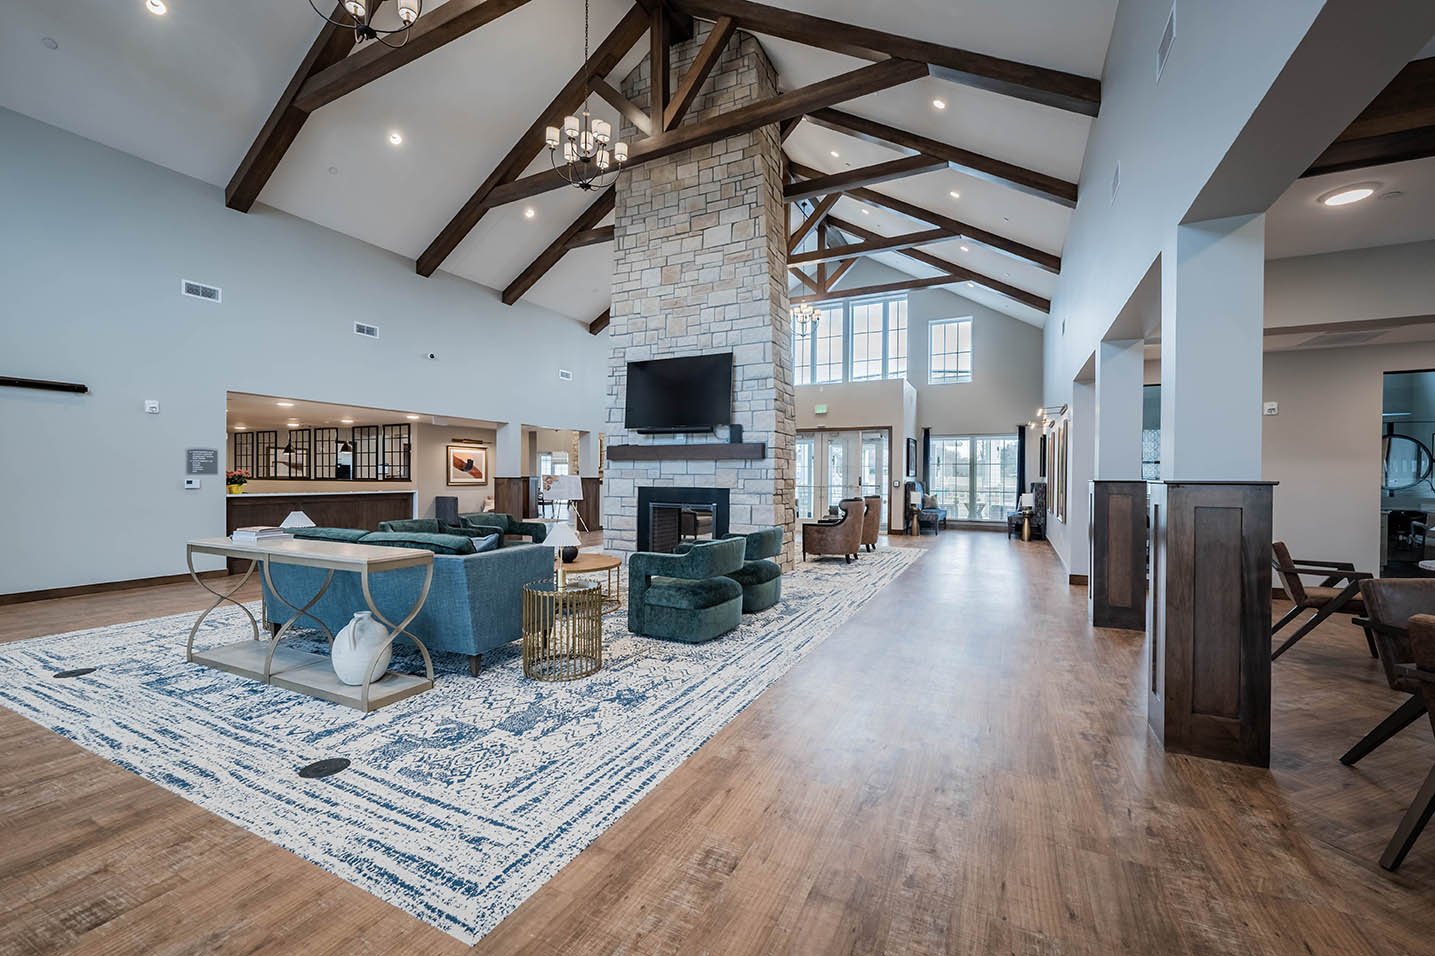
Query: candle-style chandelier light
[[360, 19], [590, 159], [805, 318]]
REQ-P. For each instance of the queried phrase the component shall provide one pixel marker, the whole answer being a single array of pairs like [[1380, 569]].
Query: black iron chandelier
[[360, 19], [590, 157]]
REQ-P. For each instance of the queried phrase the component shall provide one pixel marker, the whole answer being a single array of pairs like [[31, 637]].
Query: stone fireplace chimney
[[700, 267]]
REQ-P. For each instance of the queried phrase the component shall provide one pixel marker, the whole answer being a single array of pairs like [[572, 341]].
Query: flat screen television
[[688, 394]]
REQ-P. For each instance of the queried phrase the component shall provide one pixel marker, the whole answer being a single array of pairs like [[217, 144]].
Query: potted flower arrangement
[[236, 481]]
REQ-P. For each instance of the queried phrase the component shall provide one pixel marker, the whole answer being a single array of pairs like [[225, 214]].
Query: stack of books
[[260, 534]]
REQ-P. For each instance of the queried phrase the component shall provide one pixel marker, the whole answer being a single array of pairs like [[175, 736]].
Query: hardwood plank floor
[[963, 768]]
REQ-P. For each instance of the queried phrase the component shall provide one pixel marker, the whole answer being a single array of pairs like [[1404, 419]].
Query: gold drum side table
[[562, 630]]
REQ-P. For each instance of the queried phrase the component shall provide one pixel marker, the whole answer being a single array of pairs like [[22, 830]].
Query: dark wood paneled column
[[1116, 582], [1208, 619], [590, 508], [512, 496]]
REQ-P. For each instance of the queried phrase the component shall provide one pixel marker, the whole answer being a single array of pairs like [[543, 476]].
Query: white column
[[1212, 317], [1120, 371], [588, 454], [508, 452], [1081, 458]]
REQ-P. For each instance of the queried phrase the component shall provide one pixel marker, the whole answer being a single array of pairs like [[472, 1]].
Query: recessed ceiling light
[[835, 154], [966, 248], [396, 138], [529, 212], [1346, 195], [285, 404], [412, 418], [49, 43], [954, 194], [240, 428], [939, 104], [156, 7], [346, 421], [866, 211]]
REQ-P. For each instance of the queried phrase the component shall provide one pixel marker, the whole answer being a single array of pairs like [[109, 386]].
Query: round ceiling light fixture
[[396, 138], [1345, 195], [361, 19], [156, 7], [939, 104]]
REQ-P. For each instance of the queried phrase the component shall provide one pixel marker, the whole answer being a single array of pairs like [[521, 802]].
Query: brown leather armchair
[[871, 521], [1420, 670], [843, 536]]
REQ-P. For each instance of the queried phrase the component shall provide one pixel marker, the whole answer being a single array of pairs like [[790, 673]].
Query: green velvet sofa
[[423, 526], [686, 597], [505, 524]]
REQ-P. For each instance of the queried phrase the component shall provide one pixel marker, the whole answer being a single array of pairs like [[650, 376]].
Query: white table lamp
[[297, 519]]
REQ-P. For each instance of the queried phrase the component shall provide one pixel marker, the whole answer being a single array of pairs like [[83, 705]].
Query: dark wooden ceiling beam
[[868, 247], [691, 85], [604, 59], [278, 133], [973, 164], [807, 280], [626, 108], [884, 288], [591, 237], [846, 86], [1017, 250], [659, 66], [835, 276], [951, 268], [862, 176], [805, 228], [1397, 126], [601, 322], [443, 24], [549, 257], [1055, 88]]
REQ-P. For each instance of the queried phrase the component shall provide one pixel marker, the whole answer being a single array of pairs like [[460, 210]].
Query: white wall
[[1324, 446], [94, 245], [1379, 283], [431, 467]]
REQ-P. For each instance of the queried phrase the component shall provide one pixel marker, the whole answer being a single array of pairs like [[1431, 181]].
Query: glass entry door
[[833, 465], [974, 477]]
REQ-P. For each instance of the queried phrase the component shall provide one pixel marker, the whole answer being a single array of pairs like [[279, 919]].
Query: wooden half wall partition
[[1208, 619], [1116, 583], [516, 496]]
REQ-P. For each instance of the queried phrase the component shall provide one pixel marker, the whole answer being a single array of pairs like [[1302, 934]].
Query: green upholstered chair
[[760, 577], [686, 597], [421, 526], [506, 524]]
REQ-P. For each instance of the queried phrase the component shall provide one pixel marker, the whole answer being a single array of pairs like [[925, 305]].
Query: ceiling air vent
[[368, 331], [1327, 340], [198, 290], [1168, 39]]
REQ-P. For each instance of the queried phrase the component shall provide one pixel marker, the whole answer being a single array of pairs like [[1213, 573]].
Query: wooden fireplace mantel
[[703, 451]]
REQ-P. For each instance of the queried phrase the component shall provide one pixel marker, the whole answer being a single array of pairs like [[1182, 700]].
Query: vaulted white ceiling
[[191, 89]]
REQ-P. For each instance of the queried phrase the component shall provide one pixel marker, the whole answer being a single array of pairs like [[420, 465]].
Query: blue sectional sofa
[[474, 605]]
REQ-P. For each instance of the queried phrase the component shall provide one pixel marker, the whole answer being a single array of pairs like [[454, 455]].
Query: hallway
[[963, 767]]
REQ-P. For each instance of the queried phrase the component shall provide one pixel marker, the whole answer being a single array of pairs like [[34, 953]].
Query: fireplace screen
[[672, 524]]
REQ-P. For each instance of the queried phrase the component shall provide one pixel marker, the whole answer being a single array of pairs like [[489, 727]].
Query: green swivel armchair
[[686, 597], [760, 577]]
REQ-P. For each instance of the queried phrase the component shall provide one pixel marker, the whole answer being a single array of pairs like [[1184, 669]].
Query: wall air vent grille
[[565, 375], [368, 331], [1168, 40], [198, 290]]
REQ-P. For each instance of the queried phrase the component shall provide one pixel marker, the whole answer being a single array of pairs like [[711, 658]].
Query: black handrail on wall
[[10, 381]]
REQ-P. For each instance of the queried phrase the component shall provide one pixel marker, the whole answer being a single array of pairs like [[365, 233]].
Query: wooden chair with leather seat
[[1329, 597], [1421, 670], [1390, 604]]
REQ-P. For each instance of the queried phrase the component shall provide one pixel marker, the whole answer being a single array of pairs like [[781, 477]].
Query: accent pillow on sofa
[[437, 543], [490, 542], [929, 501]]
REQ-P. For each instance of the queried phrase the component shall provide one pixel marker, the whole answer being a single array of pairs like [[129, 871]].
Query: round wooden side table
[[592, 562], [562, 630]]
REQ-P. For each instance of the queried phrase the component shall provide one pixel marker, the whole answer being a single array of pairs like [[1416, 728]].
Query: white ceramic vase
[[355, 646]]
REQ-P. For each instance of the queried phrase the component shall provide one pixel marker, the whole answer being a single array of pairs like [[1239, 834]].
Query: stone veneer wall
[[700, 266]]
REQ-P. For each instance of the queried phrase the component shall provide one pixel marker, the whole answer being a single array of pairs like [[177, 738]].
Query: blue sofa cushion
[[756, 572], [350, 535], [437, 543], [692, 595], [490, 542]]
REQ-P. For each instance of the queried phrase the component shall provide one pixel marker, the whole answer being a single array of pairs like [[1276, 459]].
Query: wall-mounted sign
[[201, 461], [820, 410]]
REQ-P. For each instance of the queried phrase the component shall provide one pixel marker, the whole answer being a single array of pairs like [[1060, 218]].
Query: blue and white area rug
[[459, 802]]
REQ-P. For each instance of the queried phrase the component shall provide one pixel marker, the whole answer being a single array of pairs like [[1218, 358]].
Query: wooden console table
[[312, 674]]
